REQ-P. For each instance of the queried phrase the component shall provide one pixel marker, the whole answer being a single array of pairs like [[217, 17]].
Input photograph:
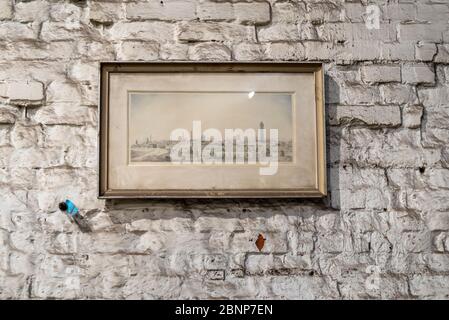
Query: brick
[[425, 51], [207, 224], [65, 113], [8, 115], [31, 11], [215, 275], [26, 136], [174, 51], [398, 94], [88, 93], [410, 224], [359, 95], [432, 12], [334, 32], [213, 11], [286, 51], [411, 116], [398, 150], [359, 32], [438, 262], [438, 221], [249, 51], [63, 92], [67, 12], [215, 261], [445, 36], [254, 13], [3, 89], [88, 49], [443, 53], [331, 243], [6, 10], [434, 97], [423, 32], [384, 116], [416, 241], [166, 10], [209, 51], [154, 30], [437, 178], [381, 73], [25, 91], [288, 12], [439, 242], [351, 194], [433, 201], [399, 11], [279, 32], [83, 72], [138, 50], [434, 130], [430, 285], [308, 31], [259, 264], [418, 74], [30, 51], [59, 31], [17, 31], [393, 287], [398, 51], [306, 242], [354, 11], [442, 74], [302, 287], [324, 12], [104, 12], [56, 136], [356, 50]]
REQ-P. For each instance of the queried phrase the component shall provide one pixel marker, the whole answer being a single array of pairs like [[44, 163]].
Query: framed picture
[[211, 130]]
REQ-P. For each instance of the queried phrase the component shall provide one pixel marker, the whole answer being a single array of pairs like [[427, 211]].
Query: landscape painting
[[154, 115]]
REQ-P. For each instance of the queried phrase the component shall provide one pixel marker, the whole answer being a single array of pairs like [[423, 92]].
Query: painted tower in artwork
[[262, 131]]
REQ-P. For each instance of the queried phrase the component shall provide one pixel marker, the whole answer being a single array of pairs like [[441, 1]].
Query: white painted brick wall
[[387, 93]]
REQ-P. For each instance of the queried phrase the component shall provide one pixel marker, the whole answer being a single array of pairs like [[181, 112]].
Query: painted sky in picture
[[155, 115]]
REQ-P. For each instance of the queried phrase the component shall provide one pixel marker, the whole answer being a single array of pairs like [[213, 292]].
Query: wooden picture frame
[[127, 88]]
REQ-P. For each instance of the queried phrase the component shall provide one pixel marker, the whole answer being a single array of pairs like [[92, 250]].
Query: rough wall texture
[[383, 232]]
